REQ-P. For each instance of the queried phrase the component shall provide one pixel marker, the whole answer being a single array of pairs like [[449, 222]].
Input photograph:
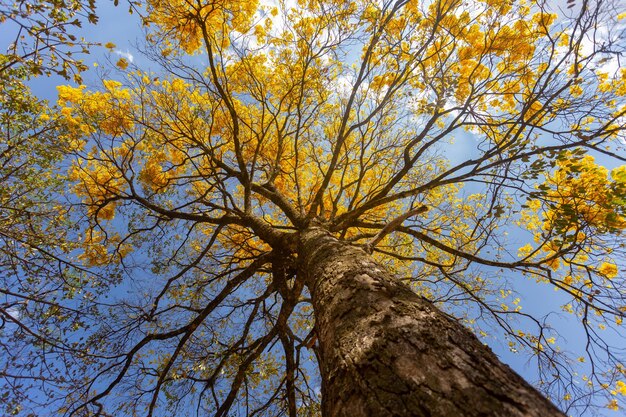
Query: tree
[[284, 197], [35, 231], [42, 37]]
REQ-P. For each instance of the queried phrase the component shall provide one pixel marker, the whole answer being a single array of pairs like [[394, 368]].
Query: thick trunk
[[386, 351]]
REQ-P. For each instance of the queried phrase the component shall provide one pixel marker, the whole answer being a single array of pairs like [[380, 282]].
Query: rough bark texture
[[386, 351]]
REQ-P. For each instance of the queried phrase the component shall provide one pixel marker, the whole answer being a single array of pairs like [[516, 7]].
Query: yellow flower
[[619, 174], [525, 250], [608, 270], [575, 90]]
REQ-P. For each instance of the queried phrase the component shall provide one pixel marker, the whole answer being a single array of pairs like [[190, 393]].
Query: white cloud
[[343, 85], [14, 312], [127, 55]]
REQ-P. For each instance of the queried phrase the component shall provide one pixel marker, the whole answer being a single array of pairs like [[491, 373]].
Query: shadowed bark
[[385, 351]]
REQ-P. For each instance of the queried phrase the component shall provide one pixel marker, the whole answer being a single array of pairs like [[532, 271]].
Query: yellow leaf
[[122, 63]]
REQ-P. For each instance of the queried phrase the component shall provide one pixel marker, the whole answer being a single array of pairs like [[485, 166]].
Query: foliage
[[458, 142], [43, 41], [37, 279]]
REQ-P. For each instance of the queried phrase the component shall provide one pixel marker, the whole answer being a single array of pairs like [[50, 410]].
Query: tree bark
[[385, 351]]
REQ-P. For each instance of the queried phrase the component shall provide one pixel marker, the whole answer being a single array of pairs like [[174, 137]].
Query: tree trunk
[[385, 351]]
